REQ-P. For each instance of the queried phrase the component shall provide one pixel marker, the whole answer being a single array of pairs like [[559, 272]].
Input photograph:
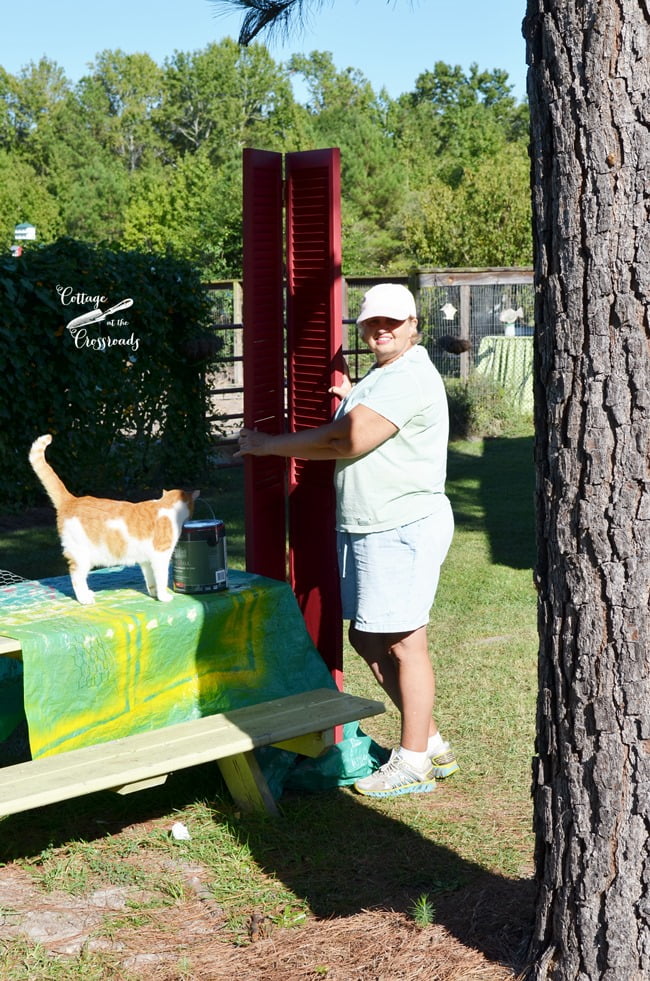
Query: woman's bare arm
[[359, 431]]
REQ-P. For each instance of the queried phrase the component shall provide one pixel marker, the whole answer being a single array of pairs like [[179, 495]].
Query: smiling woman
[[394, 523], [388, 338], [391, 333]]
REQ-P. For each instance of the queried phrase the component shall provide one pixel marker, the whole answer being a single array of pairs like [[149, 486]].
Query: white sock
[[436, 745], [420, 761]]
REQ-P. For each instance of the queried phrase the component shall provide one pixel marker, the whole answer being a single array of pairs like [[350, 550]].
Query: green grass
[[335, 853], [29, 551]]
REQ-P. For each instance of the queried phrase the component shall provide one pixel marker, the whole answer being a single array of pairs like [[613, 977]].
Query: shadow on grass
[[343, 854], [339, 853], [493, 493]]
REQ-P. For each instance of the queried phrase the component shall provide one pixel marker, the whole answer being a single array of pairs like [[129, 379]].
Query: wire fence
[[463, 317]]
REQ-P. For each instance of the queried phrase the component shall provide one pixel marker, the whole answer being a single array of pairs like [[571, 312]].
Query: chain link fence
[[457, 305]]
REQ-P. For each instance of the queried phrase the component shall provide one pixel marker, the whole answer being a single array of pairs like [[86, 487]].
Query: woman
[[394, 524]]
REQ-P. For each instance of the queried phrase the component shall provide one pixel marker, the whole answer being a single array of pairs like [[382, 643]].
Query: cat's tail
[[56, 489]]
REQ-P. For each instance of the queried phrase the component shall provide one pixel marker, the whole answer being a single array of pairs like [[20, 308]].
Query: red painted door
[[263, 314], [304, 490], [314, 345]]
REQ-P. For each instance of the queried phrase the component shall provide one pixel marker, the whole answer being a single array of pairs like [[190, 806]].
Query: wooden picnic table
[[126, 688]]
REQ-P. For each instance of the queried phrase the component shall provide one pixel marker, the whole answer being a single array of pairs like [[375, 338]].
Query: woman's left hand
[[341, 390], [344, 386]]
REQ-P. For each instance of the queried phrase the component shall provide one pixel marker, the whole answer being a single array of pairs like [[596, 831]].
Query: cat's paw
[[165, 596], [86, 599]]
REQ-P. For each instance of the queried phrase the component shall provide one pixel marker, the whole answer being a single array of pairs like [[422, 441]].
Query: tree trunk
[[589, 81]]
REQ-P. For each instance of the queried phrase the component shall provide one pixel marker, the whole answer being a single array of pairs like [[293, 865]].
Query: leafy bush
[[124, 398], [479, 407]]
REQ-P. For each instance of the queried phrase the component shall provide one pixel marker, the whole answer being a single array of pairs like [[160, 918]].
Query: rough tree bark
[[589, 79]]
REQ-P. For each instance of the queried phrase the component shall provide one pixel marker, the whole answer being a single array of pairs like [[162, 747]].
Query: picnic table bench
[[300, 723]]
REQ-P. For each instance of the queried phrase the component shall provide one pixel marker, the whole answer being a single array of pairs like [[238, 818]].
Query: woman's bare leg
[[401, 665]]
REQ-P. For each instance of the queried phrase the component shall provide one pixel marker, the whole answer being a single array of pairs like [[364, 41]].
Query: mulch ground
[[477, 936]]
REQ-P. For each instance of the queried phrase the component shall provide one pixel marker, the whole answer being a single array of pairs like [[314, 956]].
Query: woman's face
[[388, 339]]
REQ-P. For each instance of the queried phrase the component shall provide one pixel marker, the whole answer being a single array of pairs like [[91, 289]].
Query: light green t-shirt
[[401, 480]]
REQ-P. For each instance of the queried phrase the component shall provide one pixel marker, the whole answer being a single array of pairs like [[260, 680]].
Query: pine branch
[[272, 16]]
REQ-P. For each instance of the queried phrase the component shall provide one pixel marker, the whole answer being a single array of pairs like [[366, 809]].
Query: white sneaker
[[397, 777], [444, 763]]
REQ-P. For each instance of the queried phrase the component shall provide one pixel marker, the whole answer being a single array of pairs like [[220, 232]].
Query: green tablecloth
[[509, 360], [129, 663]]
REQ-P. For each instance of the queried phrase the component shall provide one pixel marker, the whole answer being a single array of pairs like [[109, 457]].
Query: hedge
[[122, 398]]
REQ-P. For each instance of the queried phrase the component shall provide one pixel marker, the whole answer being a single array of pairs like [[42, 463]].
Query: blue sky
[[391, 43]]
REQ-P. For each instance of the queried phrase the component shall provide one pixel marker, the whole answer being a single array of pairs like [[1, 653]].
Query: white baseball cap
[[387, 300]]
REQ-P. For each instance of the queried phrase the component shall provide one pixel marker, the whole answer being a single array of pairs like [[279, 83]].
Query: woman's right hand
[[252, 443]]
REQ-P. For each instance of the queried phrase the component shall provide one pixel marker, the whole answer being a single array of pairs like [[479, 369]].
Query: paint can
[[199, 562]]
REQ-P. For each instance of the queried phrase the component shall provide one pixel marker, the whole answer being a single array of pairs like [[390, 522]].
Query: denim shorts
[[389, 578]]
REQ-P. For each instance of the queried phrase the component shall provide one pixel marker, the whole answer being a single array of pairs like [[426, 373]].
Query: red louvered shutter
[[264, 477], [314, 345]]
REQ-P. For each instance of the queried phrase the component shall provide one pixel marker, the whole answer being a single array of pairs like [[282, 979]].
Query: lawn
[[448, 871]]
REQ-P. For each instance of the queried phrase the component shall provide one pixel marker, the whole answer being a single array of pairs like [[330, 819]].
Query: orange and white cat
[[96, 532]]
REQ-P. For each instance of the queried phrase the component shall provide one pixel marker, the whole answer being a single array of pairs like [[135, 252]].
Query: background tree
[[589, 73], [24, 196], [483, 221], [32, 103], [192, 210], [121, 96], [149, 156], [33, 107], [452, 119], [225, 97], [344, 111], [463, 144]]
